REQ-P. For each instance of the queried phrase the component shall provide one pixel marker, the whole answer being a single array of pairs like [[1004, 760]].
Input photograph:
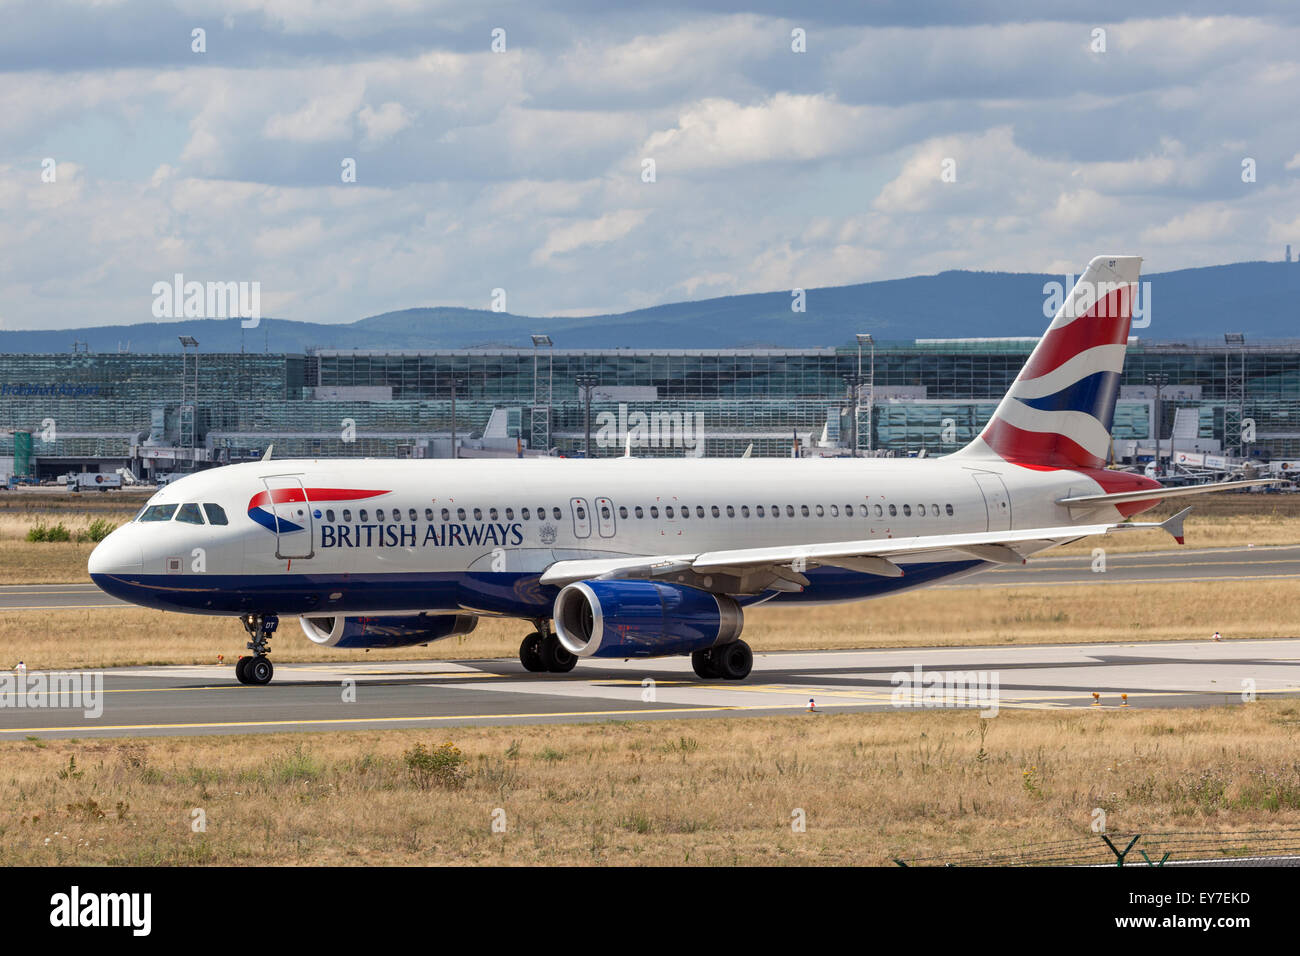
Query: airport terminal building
[[164, 413]]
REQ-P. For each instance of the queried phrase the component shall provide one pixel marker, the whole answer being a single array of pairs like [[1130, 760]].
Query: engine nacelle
[[643, 619], [404, 631]]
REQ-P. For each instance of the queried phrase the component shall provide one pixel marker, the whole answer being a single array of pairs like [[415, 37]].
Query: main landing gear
[[257, 669], [731, 661], [542, 651]]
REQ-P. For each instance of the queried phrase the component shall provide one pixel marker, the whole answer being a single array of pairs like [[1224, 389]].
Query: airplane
[[637, 558]]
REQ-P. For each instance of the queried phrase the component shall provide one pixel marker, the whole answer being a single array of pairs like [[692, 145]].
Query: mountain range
[[1257, 298]]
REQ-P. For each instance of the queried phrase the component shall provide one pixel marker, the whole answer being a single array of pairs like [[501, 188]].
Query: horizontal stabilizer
[[1156, 494]]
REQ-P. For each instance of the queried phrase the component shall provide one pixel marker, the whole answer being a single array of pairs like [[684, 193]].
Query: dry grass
[[871, 786], [1100, 612]]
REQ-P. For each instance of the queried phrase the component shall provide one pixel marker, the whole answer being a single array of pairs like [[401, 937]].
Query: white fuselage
[[353, 536]]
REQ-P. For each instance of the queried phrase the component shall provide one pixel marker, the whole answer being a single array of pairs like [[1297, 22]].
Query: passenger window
[[920, 510], [934, 510], [158, 513], [638, 512], [622, 511], [492, 514], [758, 510], [654, 511], [510, 514], [744, 511], [525, 513], [835, 511], [428, 514], [556, 513], [411, 515], [478, 514], [668, 511], [699, 511], [907, 510], [604, 512], [949, 509], [582, 513], [460, 514], [190, 513], [217, 514], [379, 514], [893, 511], [789, 510], [347, 514], [731, 512], [879, 511], [329, 514], [446, 515]]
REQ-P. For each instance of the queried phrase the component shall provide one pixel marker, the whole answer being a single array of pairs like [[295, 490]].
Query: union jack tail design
[[1059, 411]]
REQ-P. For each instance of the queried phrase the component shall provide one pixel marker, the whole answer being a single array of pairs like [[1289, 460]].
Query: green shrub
[[44, 532], [442, 766], [96, 531]]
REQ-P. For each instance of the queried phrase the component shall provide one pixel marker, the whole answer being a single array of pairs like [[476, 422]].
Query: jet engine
[[643, 619], [387, 631]]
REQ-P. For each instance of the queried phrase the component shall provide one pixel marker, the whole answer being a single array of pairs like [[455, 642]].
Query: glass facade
[[932, 395]]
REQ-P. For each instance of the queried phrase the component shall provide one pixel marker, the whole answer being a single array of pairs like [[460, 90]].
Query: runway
[[1207, 564], [179, 701]]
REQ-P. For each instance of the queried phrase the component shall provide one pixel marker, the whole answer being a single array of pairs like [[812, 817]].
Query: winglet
[[266, 455], [1174, 525]]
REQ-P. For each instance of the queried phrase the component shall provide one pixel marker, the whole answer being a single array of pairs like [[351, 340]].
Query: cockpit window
[[190, 513], [217, 514], [158, 513]]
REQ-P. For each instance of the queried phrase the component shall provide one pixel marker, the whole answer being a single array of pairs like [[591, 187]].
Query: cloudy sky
[[524, 169]]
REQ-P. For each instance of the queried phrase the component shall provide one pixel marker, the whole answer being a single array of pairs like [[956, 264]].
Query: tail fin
[[1059, 411]]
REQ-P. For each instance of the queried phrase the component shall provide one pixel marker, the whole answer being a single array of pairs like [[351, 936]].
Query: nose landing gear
[[258, 668]]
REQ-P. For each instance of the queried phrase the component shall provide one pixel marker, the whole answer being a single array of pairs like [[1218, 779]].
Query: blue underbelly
[[509, 593]]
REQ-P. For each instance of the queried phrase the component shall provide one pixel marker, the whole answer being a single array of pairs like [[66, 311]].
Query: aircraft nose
[[119, 553]]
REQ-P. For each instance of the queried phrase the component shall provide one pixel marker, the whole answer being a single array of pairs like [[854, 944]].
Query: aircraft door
[[295, 533], [996, 501], [581, 517], [605, 517]]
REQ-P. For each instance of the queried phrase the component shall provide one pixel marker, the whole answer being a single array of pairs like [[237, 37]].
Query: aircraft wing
[[750, 570]]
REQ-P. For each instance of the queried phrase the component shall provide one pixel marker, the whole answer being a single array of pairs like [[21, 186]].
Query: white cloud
[[384, 123], [589, 232]]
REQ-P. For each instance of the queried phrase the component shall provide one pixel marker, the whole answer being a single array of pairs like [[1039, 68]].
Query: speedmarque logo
[[76, 909]]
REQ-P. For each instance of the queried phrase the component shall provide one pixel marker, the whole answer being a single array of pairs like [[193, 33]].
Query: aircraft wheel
[[259, 670], [530, 653], [557, 658], [241, 670], [734, 660], [704, 665]]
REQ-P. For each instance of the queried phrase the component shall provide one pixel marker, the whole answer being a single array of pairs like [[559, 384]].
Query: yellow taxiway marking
[[378, 720], [237, 687], [59, 607], [1112, 579]]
